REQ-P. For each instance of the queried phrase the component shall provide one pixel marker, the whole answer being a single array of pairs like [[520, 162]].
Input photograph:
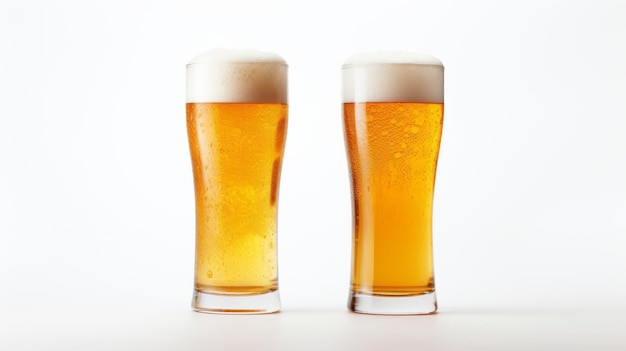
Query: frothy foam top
[[392, 76], [222, 75]]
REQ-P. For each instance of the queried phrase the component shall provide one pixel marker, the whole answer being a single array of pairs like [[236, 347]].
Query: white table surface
[[312, 329]]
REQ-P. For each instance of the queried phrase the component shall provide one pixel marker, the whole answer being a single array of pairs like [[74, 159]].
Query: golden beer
[[236, 145], [392, 147], [236, 167], [393, 188]]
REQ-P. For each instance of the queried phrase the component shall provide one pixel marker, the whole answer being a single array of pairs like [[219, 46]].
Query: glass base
[[394, 305], [236, 304]]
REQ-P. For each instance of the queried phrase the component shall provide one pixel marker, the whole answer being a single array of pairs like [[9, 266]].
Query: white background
[[96, 191]]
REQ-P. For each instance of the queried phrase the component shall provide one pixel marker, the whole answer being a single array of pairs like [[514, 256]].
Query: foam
[[392, 76], [223, 75]]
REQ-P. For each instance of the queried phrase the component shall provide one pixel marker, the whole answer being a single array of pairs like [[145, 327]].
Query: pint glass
[[393, 118], [236, 123]]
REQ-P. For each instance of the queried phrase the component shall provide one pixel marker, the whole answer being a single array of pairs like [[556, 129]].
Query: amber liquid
[[236, 153], [393, 150]]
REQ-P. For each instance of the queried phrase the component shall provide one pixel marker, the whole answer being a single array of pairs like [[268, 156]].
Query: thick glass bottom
[[237, 303], [393, 305]]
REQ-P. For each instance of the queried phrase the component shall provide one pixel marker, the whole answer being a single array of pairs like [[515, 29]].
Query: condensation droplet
[[397, 155], [385, 133], [403, 145], [415, 129], [393, 121], [209, 274]]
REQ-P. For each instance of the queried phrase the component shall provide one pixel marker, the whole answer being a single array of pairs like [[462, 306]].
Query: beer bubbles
[[393, 76], [224, 75]]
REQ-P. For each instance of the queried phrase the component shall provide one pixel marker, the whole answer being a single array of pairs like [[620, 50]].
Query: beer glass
[[393, 118], [236, 123]]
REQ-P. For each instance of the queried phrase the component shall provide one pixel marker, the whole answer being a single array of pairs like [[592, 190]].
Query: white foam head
[[222, 75], [392, 76]]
